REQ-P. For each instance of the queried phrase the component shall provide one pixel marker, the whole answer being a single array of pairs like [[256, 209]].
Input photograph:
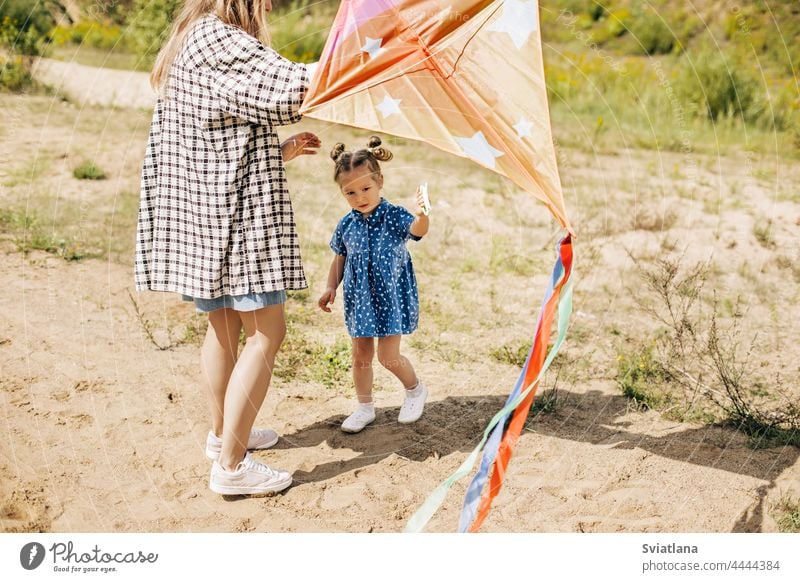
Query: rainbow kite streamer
[[465, 76]]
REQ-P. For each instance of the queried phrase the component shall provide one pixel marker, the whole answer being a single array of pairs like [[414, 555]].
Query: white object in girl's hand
[[426, 202]]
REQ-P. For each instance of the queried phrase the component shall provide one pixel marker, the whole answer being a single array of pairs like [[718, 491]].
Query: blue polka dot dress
[[380, 290]]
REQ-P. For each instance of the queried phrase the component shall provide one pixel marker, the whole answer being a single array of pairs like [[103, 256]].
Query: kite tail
[[534, 368], [499, 446]]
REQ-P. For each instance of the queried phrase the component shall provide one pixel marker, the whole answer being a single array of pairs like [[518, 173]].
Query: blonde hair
[[249, 15]]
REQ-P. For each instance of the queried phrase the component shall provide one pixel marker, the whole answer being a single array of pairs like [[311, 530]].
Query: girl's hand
[[420, 200], [301, 144], [327, 299]]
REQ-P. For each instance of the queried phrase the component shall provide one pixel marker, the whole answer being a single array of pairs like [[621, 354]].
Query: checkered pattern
[[215, 216]]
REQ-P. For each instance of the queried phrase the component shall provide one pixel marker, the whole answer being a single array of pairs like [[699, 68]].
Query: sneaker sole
[[253, 491], [213, 456], [355, 430]]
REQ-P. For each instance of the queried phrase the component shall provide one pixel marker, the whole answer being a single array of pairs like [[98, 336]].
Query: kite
[[465, 76]]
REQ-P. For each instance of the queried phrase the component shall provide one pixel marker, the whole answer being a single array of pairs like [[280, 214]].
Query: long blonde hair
[[249, 15]]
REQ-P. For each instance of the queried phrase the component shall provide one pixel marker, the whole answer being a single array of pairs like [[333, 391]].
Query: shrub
[[15, 74], [148, 25], [717, 88], [24, 28], [88, 170], [653, 35], [95, 34]]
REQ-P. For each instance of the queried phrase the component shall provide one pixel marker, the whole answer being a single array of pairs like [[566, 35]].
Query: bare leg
[[390, 358], [265, 329], [363, 352], [217, 358]]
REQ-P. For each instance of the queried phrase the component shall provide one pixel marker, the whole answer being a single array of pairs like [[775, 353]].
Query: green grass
[[29, 171], [786, 513], [640, 377], [30, 232], [762, 231], [88, 170], [514, 353]]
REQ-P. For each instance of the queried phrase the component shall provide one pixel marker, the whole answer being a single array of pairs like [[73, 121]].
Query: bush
[[15, 74], [717, 88], [95, 34], [652, 34], [89, 171], [24, 28], [148, 25]]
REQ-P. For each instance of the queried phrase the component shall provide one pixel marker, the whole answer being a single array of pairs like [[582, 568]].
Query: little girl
[[380, 290]]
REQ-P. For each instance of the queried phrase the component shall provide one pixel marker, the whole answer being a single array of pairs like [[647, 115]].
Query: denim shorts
[[248, 302]]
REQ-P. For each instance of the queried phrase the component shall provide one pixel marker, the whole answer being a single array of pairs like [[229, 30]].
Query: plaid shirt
[[215, 216]]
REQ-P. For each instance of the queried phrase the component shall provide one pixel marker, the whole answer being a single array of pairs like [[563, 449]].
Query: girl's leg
[[217, 358], [265, 329], [363, 353], [390, 358]]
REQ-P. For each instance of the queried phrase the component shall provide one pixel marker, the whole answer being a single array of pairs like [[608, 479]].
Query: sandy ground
[[106, 433], [103, 431]]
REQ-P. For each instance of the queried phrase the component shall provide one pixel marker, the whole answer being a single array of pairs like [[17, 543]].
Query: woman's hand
[[301, 144], [327, 299]]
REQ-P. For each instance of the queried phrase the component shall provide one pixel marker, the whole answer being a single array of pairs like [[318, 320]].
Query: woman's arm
[[254, 82], [300, 144]]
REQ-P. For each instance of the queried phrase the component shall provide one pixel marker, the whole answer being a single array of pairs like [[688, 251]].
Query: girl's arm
[[335, 275], [421, 221]]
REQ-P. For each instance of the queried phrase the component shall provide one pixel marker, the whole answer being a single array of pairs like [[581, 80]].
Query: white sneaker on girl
[[249, 478], [413, 405], [260, 438], [364, 414]]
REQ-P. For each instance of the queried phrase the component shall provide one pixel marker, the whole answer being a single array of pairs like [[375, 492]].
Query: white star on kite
[[479, 149], [519, 19], [372, 46], [389, 106], [523, 127]]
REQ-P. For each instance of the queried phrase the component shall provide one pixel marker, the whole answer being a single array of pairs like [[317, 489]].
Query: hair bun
[[374, 147], [337, 151]]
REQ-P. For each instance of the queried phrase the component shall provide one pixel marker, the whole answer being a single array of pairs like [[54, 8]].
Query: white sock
[[415, 391]]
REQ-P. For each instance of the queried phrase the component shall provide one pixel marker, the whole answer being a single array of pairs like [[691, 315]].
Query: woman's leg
[[363, 353], [390, 358], [265, 329], [217, 358]]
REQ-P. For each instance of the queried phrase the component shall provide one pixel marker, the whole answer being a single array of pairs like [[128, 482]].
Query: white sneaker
[[413, 405], [364, 414], [260, 438], [249, 478]]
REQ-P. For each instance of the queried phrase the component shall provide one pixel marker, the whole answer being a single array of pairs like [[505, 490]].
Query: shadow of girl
[[448, 425]]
